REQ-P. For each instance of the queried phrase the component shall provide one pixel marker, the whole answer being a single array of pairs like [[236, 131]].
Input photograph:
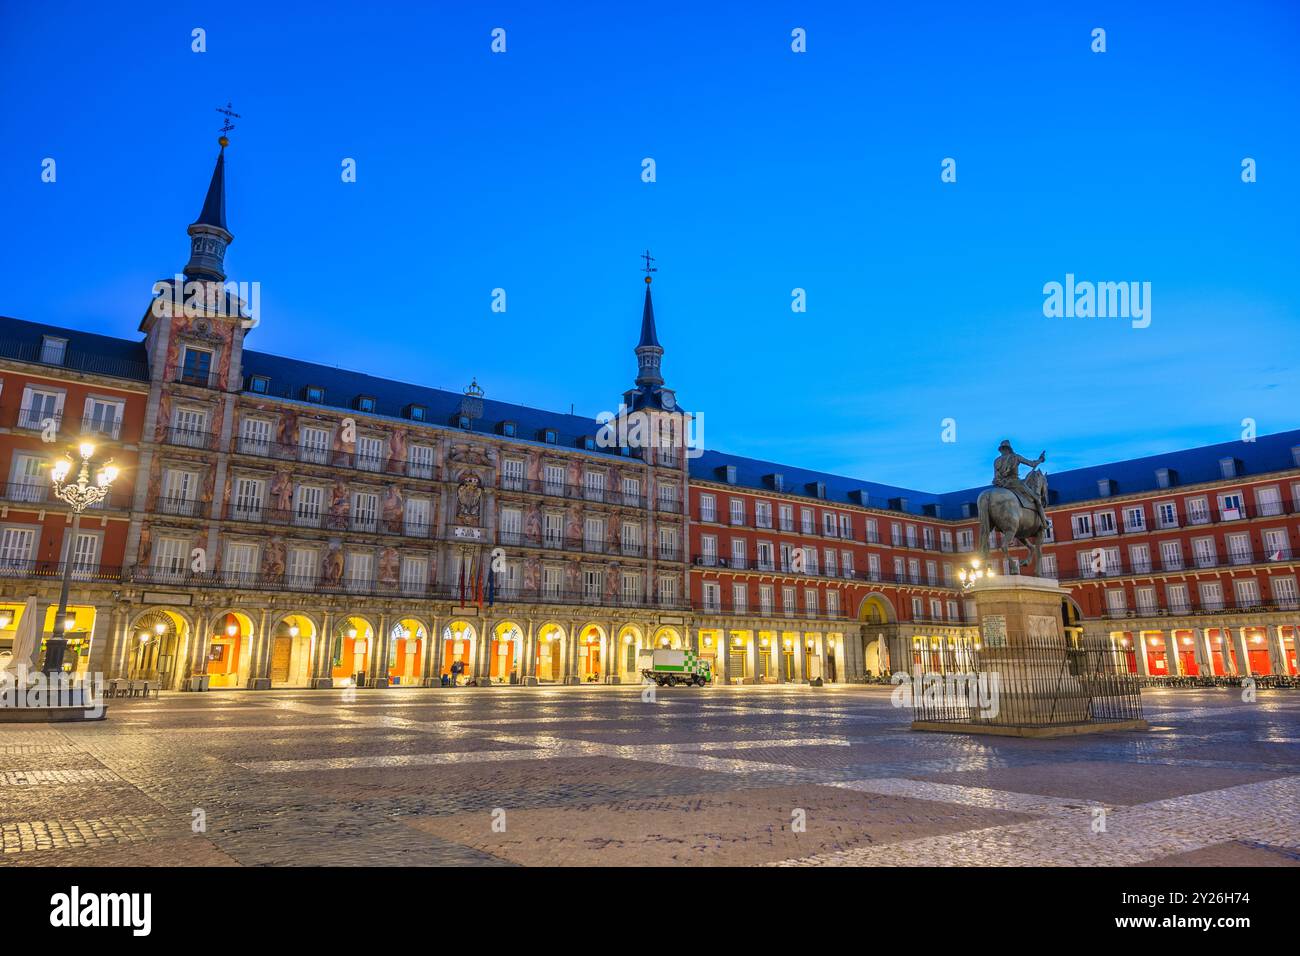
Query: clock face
[[669, 401]]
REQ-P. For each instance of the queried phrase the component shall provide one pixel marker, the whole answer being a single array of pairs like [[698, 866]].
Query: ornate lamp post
[[976, 572], [79, 495]]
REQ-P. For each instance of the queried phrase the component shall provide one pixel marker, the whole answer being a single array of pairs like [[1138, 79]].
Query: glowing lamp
[[232, 629]]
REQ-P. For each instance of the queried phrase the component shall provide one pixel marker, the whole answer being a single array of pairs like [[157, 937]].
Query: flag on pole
[[460, 589], [492, 587]]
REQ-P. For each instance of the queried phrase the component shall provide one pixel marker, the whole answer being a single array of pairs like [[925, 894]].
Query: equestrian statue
[[1014, 507]]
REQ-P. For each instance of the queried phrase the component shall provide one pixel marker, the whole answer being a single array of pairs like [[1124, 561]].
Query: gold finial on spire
[[227, 126]]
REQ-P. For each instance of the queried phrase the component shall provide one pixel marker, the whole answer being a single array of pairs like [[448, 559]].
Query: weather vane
[[227, 126], [648, 268]]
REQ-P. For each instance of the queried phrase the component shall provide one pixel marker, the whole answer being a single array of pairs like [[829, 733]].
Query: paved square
[[595, 775]]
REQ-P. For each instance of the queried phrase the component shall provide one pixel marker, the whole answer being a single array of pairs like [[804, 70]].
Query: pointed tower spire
[[209, 236], [649, 352]]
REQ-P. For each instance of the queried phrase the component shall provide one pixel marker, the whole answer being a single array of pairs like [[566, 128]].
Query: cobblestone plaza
[[783, 775]]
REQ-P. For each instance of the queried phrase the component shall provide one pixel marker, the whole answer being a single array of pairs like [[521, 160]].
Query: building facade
[[279, 523]]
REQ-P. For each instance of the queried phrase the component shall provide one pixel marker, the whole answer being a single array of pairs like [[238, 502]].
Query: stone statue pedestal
[[1028, 680]]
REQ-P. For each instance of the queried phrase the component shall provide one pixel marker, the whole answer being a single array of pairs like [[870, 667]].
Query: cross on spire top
[[227, 126], [648, 268]]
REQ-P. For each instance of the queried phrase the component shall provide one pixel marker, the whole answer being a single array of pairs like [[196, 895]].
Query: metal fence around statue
[[1030, 685]]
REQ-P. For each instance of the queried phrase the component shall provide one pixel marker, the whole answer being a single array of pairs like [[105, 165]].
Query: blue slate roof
[[648, 334], [289, 377], [88, 351]]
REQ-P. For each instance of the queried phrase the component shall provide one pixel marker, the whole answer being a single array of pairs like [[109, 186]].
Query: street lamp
[[968, 576], [78, 495]]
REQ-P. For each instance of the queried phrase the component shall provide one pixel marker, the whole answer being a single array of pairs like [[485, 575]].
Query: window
[[16, 546], [737, 507], [766, 601], [1139, 556], [239, 564], [365, 511], [873, 532], [1211, 595], [1048, 568], [415, 518], [1171, 555], [102, 417], [1268, 501], [712, 596], [365, 403], [632, 491], [196, 366], [667, 590], [931, 572], [359, 570], [300, 568], [846, 527], [631, 538], [259, 384], [832, 603], [170, 557], [593, 535], [1277, 546], [806, 520], [911, 536], [1238, 548], [1166, 515], [308, 506], [1116, 601], [1198, 511], [189, 427], [553, 480], [965, 540], [739, 553], [1145, 600], [370, 453], [27, 480], [549, 436], [314, 445], [846, 563], [764, 551], [1135, 519], [1246, 591], [40, 405], [593, 485], [708, 508], [248, 498], [255, 436], [414, 573], [1082, 525], [896, 534], [512, 474], [739, 598], [829, 525], [509, 429], [810, 603], [552, 529], [1284, 593], [419, 461], [787, 601], [786, 517], [592, 579], [667, 543], [53, 350], [1176, 598], [945, 541], [763, 514], [1105, 522], [632, 593], [178, 492], [1203, 552], [1231, 507], [314, 393]]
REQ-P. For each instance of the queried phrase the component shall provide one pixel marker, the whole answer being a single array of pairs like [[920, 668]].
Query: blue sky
[[775, 170]]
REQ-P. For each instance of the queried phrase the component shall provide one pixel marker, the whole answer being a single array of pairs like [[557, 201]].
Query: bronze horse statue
[[1000, 509]]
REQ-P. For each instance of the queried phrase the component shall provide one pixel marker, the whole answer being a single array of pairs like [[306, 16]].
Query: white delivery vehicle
[[668, 668]]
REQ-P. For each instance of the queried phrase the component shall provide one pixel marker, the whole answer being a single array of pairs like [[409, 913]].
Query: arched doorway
[[458, 640], [158, 638], [349, 646], [668, 637], [591, 654], [292, 640], [505, 652], [229, 648], [550, 654], [406, 643], [629, 648]]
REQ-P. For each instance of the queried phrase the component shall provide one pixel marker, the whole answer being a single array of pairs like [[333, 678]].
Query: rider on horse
[[1006, 474]]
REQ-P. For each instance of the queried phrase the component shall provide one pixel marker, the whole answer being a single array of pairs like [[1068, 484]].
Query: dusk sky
[[776, 170]]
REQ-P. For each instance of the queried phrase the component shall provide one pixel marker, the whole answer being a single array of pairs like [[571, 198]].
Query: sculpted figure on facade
[[394, 509], [340, 505], [273, 559], [573, 524], [532, 575], [390, 567], [397, 451], [282, 496], [286, 431], [332, 566]]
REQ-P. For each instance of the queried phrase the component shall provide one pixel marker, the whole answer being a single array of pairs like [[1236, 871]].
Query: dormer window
[[508, 429], [314, 393], [366, 403], [417, 413], [259, 384], [588, 443], [549, 436], [462, 421], [53, 350]]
